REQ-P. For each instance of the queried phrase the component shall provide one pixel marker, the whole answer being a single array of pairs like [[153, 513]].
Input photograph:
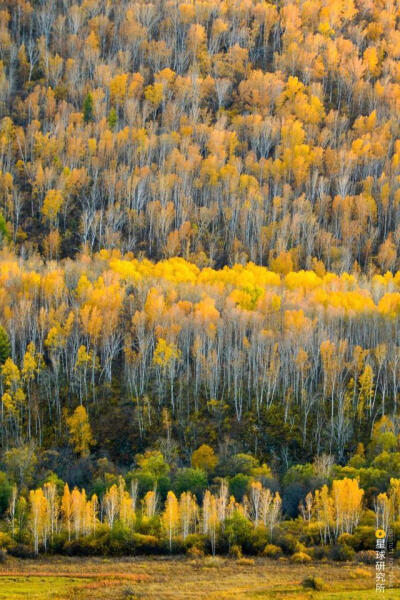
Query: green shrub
[[313, 583], [56, 545], [288, 542], [320, 552], [256, 541], [149, 526], [364, 537], [120, 541], [312, 534], [195, 540], [272, 551], [84, 547], [146, 544], [341, 552], [368, 518], [177, 546], [348, 539]]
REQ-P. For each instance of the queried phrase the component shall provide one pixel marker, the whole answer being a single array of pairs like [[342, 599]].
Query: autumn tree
[[80, 431], [204, 458], [171, 516]]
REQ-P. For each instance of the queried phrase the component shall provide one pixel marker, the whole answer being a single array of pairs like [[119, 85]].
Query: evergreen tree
[[112, 118], [4, 234], [4, 345], [88, 108]]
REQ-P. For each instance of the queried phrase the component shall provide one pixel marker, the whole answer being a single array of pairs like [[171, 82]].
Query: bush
[[272, 551], [288, 542], [300, 557], [177, 546], [105, 542], [313, 583], [195, 545], [312, 534], [348, 539], [259, 538], [364, 537], [195, 540], [85, 547], [146, 544], [341, 552], [149, 526], [56, 545], [320, 552], [5, 540], [368, 519], [368, 557], [118, 541], [21, 551], [235, 551]]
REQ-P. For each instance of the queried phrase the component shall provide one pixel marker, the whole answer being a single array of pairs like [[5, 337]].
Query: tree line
[[334, 520]]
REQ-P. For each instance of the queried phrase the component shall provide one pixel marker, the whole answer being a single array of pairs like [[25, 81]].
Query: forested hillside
[[220, 131], [199, 231]]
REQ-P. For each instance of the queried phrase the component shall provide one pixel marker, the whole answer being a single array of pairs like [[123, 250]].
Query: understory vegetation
[[323, 511]]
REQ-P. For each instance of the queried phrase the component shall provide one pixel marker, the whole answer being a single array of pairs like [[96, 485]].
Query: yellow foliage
[[52, 205], [165, 353]]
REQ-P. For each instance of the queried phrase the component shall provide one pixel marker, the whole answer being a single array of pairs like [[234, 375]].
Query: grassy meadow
[[165, 579]]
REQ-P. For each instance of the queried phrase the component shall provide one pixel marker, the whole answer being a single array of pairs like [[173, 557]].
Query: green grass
[[38, 587]]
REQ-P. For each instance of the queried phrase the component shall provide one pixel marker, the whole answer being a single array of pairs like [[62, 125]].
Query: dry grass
[[165, 579]]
